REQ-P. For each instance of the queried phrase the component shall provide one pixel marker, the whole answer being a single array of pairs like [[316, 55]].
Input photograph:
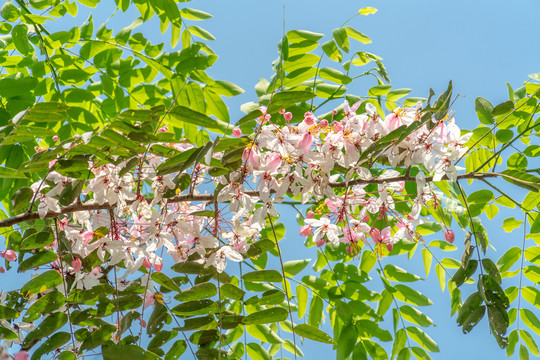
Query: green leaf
[[285, 99], [10, 12], [257, 352], [367, 11], [51, 301], [522, 179], [529, 341], [331, 50], [225, 88], [37, 240], [200, 32], [176, 350], [503, 108], [295, 266], [342, 39], [199, 307], [357, 35], [422, 338], [411, 296], [42, 282], [8, 313], [21, 198], [313, 333], [198, 292], [8, 173], [266, 316], [187, 115], [55, 342], [415, 316], [40, 258], [484, 111], [132, 352], [193, 14], [263, 275], [297, 36], [510, 224], [508, 259], [164, 280], [232, 292], [47, 327], [302, 300], [530, 319], [20, 39], [395, 273]]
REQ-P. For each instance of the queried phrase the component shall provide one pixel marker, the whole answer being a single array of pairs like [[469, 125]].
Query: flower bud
[[237, 132], [305, 230], [310, 214], [163, 129], [146, 264], [323, 123], [287, 116], [76, 264], [55, 138], [9, 255], [449, 236], [389, 247]]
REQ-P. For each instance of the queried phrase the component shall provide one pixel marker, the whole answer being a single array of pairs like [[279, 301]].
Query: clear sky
[[479, 45]]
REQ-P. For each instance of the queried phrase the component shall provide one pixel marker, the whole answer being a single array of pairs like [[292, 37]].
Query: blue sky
[[479, 45]]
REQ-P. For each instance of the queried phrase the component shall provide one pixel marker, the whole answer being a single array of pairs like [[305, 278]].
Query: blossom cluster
[[317, 161]]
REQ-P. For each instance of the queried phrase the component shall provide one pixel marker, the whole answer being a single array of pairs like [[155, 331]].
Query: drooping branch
[[88, 206]]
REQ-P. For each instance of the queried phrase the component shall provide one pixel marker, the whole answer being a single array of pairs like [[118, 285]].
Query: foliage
[[117, 153]]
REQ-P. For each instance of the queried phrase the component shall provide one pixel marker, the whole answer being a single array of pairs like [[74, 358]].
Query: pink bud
[[163, 129], [96, 271], [323, 123], [143, 323], [320, 242], [305, 230], [146, 263], [21, 355], [309, 120], [337, 126], [55, 138], [449, 236], [9, 255], [76, 264], [237, 132], [287, 116], [2, 270], [282, 111], [389, 246], [310, 214], [158, 267], [334, 112]]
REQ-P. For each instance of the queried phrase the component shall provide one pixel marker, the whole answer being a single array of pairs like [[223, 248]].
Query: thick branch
[[33, 215]]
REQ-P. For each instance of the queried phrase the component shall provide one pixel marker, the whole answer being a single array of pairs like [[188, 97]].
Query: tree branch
[[210, 197]]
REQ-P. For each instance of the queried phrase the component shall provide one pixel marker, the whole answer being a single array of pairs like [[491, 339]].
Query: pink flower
[[163, 129], [392, 121], [250, 155], [274, 160], [21, 355], [9, 255], [87, 237], [237, 132], [305, 142], [381, 237], [449, 236], [337, 127], [146, 263], [76, 264], [305, 230], [287, 116]]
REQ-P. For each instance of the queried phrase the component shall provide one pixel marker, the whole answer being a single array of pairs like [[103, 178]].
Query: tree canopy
[[149, 221]]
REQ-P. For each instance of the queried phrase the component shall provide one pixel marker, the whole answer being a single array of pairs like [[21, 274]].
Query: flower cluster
[[345, 168]]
